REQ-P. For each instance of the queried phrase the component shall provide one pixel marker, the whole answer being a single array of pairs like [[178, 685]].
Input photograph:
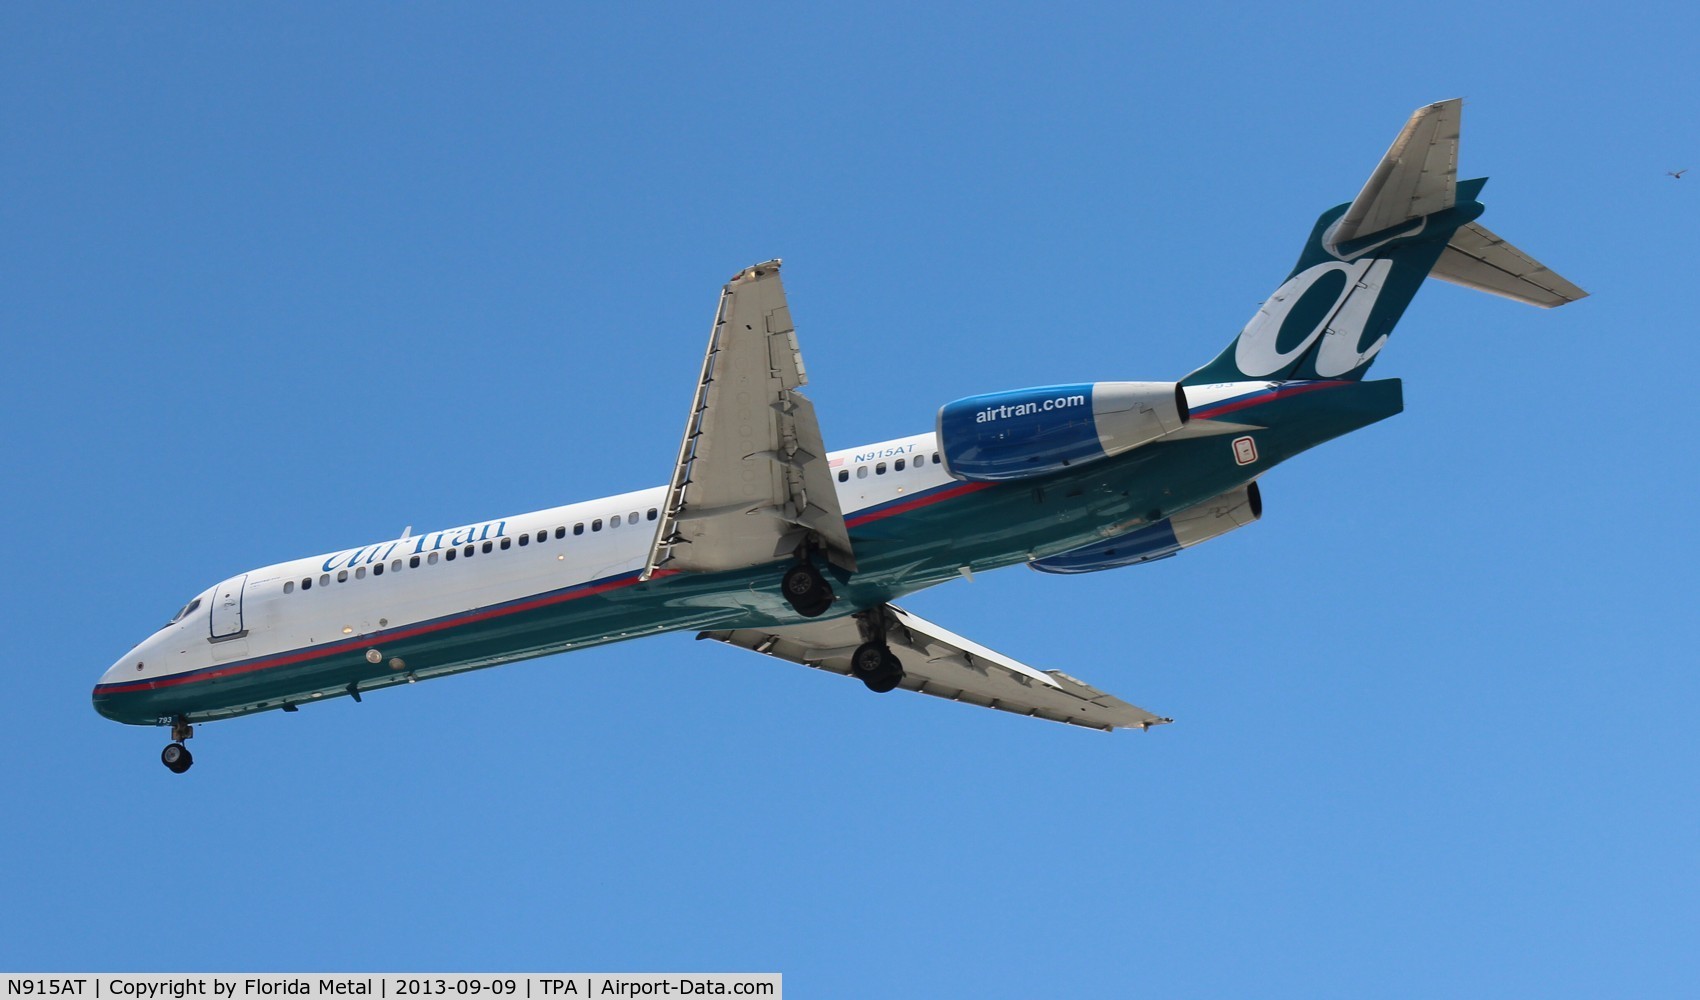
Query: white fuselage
[[328, 598]]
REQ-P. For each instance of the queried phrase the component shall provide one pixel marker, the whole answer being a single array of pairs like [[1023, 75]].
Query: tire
[[889, 677], [806, 590], [176, 757], [875, 666]]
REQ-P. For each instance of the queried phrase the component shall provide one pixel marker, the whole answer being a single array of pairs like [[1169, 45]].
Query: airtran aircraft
[[764, 539]]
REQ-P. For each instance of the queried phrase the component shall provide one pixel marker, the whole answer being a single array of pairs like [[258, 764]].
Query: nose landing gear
[[176, 757]]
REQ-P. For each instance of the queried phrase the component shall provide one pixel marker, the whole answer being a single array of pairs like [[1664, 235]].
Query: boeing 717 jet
[[762, 538]]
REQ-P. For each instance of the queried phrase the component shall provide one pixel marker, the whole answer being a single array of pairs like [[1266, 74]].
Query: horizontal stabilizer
[[1476, 258], [1417, 177]]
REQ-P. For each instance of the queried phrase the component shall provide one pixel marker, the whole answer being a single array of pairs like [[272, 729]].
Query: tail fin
[[1365, 260]]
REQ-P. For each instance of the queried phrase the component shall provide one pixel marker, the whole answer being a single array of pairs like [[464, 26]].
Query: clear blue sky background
[[277, 281]]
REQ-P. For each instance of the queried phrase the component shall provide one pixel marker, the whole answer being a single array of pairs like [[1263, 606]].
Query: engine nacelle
[[1029, 432], [1198, 523]]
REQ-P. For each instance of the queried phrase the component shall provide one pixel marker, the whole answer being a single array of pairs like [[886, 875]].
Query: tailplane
[[1365, 260]]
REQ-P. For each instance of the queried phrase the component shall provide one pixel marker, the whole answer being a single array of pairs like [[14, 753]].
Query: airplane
[[765, 540]]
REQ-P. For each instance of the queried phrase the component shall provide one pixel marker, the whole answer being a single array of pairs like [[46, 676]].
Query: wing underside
[[1476, 258], [751, 482], [940, 663]]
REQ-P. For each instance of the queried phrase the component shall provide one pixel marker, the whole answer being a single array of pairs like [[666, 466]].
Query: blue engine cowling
[[1148, 543], [1029, 432]]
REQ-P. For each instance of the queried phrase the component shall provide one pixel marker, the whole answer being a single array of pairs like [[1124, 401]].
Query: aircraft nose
[[108, 689], [115, 673]]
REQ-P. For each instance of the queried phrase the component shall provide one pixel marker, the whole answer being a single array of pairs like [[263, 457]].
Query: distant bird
[[1677, 173]]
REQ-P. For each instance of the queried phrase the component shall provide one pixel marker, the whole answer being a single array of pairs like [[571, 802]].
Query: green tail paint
[[1334, 313]]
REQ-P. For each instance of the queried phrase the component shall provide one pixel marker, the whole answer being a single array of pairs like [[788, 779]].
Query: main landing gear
[[806, 590], [176, 757], [873, 662]]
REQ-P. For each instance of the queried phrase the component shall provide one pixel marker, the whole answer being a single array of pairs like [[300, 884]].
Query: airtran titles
[[428, 542]]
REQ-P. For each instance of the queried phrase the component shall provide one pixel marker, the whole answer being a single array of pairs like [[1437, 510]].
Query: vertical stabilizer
[[1365, 260]]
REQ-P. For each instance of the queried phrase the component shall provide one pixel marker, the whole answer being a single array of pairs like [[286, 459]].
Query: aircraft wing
[[944, 664], [751, 482]]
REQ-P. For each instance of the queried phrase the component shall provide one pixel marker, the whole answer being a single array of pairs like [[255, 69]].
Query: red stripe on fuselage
[[497, 611], [1259, 398], [916, 503], [408, 632]]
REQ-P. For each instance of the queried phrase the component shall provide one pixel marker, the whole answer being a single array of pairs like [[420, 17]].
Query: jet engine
[[1002, 436], [1198, 523]]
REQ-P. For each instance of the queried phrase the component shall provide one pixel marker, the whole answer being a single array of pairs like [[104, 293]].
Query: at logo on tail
[[1257, 353]]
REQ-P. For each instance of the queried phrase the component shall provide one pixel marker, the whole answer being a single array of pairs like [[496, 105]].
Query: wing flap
[[941, 663]]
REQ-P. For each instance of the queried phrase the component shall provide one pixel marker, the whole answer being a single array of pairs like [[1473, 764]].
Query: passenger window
[[307, 583], [920, 460], [562, 532], [507, 543], [653, 513], [596, 525], [450, 554], [360, 574], [614, 522], [578, 529], [935, 458], [631, 518], [378, 570], [342, 576], [525, 539], [412, 562], [289, 586], [470, 551], [431, 559], [395, 567], [843, 475], [897, 466], [488, 546], [324, 579], [879, 470], [861, 472]]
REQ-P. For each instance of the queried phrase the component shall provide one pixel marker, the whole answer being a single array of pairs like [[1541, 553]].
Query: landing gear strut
[[806, 590], [176, 757], [873, 662]]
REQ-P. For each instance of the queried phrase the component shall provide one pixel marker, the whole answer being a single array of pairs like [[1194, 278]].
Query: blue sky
[[280, 280]]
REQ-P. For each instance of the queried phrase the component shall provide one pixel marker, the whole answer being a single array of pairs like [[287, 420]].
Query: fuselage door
[[227, 608]]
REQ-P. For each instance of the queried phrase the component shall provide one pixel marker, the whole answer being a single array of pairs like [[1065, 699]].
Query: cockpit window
[[188, 609]]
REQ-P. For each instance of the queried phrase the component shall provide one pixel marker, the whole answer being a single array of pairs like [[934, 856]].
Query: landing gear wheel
[[873, 665], [806, 590], [176, 757]]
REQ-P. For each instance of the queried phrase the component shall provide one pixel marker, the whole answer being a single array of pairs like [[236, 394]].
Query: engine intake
[[1002, 436]]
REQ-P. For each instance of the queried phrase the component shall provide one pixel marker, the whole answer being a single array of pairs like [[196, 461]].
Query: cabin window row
[[467, 552], [879, 468]]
